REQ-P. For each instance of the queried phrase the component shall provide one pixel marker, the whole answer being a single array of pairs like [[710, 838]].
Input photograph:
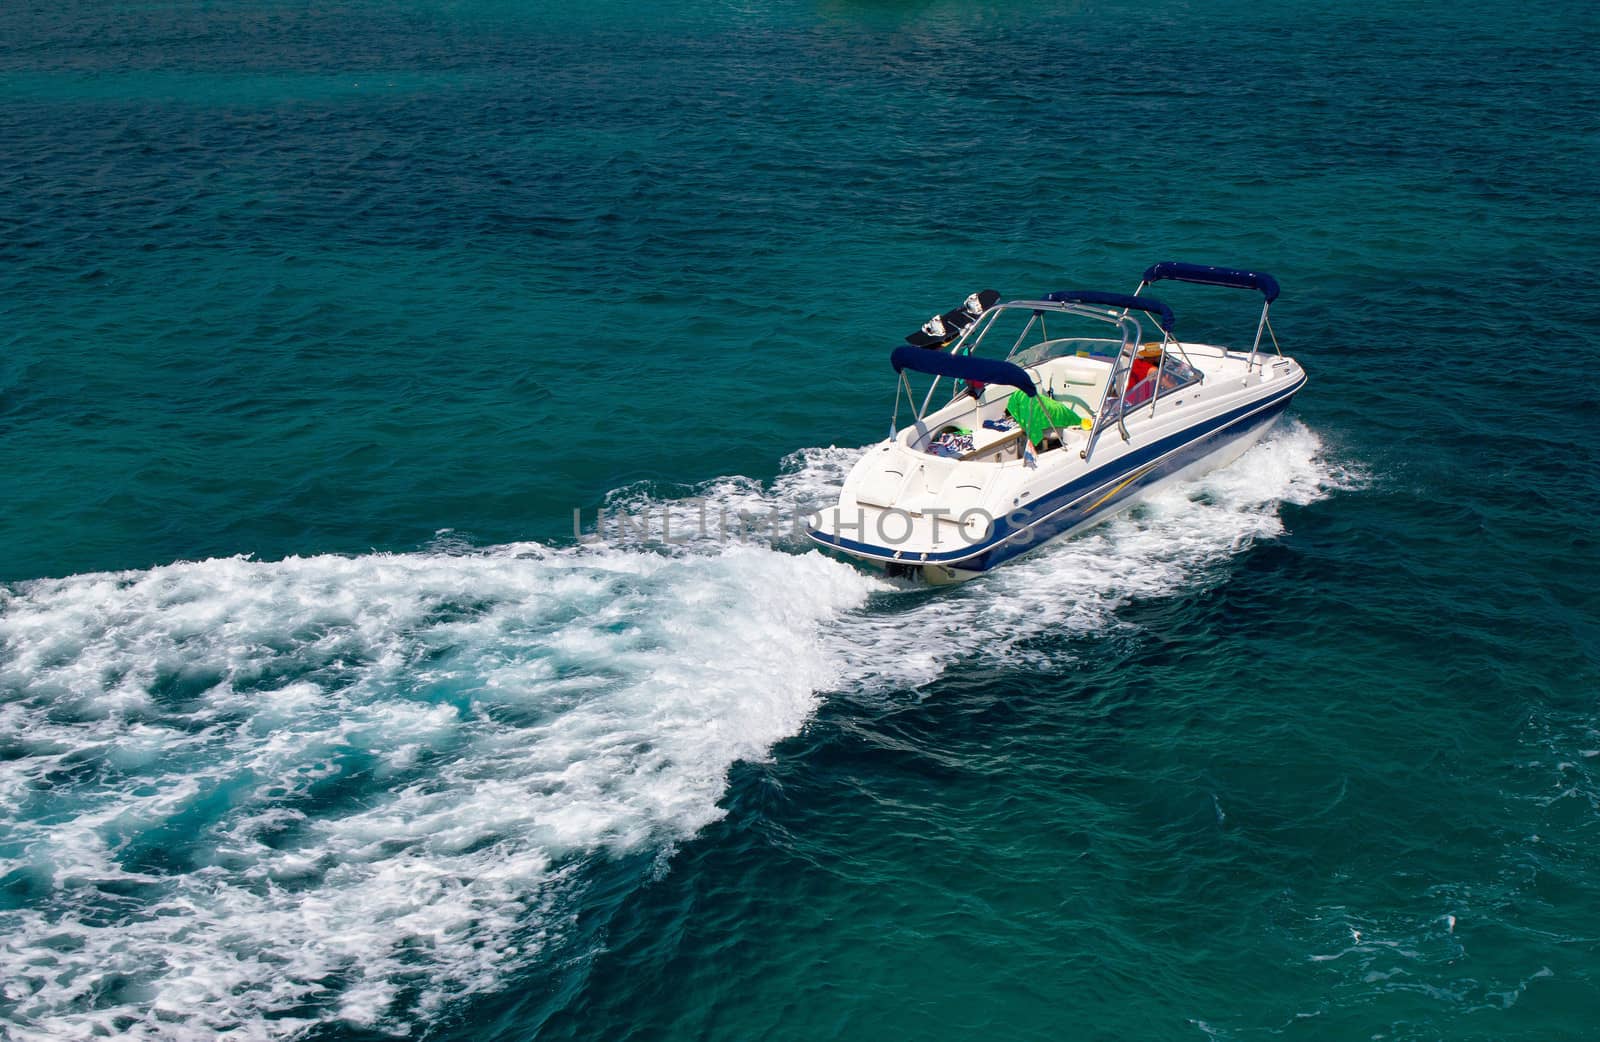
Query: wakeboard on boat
[[1060, 433]]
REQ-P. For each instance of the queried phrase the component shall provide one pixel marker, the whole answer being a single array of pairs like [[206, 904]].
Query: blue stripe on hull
[[1082, 499]]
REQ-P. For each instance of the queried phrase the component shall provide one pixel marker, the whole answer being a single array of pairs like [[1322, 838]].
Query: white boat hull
[[948, 520]]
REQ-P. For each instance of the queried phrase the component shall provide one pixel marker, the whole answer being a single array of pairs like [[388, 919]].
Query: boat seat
[[1079, 382]]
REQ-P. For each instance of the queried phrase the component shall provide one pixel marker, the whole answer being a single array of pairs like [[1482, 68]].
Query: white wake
[[257, 796]]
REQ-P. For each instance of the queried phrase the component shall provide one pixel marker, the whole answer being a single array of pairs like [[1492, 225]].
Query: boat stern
[[906, 511]]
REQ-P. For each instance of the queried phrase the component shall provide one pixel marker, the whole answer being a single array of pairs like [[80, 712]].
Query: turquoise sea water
[[321, 320]]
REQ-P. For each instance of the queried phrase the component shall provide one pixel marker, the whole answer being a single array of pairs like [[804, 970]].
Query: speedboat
[[1060, 433]]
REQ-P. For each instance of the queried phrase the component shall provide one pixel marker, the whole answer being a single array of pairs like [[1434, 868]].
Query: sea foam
[[252, 797]]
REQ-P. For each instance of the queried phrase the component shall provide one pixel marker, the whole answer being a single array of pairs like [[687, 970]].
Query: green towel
[[1040, 414]]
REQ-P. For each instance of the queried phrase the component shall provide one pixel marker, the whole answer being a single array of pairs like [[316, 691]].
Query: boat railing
[[1116, 309], [973, 337]]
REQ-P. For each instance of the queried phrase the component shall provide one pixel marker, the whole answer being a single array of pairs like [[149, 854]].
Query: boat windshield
[[1175, 374], [1065, 347]]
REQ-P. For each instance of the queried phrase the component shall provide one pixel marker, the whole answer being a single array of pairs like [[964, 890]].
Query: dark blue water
[[316, 722]]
